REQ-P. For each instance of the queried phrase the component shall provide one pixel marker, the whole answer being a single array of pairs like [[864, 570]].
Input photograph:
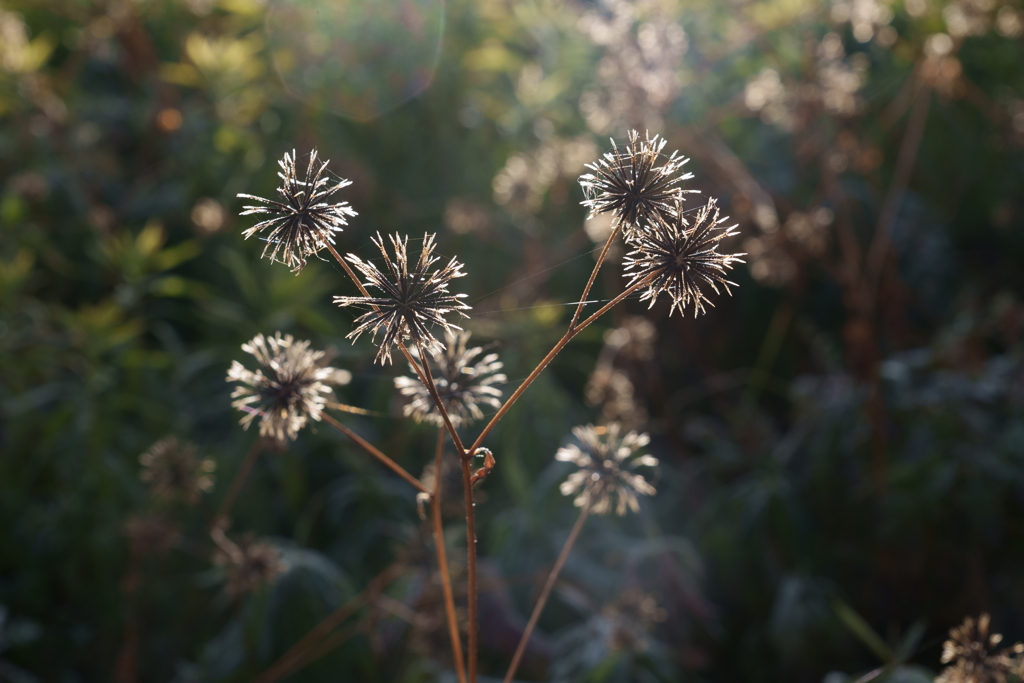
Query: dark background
[[842, 440]]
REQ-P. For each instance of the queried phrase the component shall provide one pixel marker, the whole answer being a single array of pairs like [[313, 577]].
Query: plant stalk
[[546, 593], [372, 450], [442, 563], [593, 275], [241, 476]]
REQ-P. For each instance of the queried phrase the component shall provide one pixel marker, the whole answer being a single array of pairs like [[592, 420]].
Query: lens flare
[[357, 58]]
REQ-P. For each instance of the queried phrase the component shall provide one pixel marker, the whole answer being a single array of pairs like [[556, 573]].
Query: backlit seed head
[[289, 387], [174, 471], [606, 478], [465, 382], [972, 657], [635, 182], [248, 565], [410, 301], [305, 221], [680, 259]]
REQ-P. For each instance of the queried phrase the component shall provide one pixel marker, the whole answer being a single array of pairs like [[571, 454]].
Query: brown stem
[[471, 585], [593, 275], [369, 448], [428, 381], [545, 593], [572, 332], [298, 655], [238, 482], [442, 563]]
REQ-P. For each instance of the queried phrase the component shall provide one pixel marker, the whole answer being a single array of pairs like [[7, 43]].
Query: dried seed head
[[175, 473], [465, 382], [629, 182], [972, 657], [410, 301], [680, 258], [249, 565], [606, 469], [289, 388], [304, 222]]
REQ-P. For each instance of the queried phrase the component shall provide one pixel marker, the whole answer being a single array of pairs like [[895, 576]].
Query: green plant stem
[[546, 593], [442, 562], [303, 652], [241, 476], [369, 448], [593, 275], [572, 332]]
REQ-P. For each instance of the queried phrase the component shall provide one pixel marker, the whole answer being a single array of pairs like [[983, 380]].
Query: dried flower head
[[248, 565], [174, 472], [629, 182], [971, 655], [290, 387], [410, 301], [150, 534], [304, 222], [465, 382], [682, 258], [606, 469]]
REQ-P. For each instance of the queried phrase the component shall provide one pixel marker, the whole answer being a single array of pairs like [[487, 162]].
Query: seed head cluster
[[174, 472], [635, 182], [410, 301], [971, 655], [678, 259], [289, 388], [304, 221], [606, 478], [465, 382]]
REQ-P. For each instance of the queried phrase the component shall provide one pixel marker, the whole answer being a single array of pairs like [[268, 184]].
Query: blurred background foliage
[[842, 441]]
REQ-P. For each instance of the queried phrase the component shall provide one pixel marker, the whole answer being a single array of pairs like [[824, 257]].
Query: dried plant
[[606, 478], [305, 221], [680, 259], [410, 301], [629, 183], [453, 383], [175, 473], [971, 655], [289, 388], [465, 382], [248, 565]]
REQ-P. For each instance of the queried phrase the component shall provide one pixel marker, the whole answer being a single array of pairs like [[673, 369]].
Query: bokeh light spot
[[357, 58]]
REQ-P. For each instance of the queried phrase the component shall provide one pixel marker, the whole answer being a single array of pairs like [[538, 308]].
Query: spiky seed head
[[465, 382], [290, 387], [606, 462], [972, 657], [248, 565], [174, 472], [635, 182], [410, 301], [305, 221], [681, 259]]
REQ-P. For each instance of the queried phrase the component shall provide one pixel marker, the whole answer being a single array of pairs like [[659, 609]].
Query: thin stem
[[238, 482], [572, 332], [429, 383], [298, 655], [442, 563], [593, 275], [546, 593], [369, 448], [471, 585]]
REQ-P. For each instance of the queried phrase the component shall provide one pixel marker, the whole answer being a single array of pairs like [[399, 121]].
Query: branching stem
[[372, 450], [593, 275]]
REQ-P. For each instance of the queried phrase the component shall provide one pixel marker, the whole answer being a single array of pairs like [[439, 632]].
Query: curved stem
[[442, 563], [369, 448], [238, 482], [593, 275], [546, 593], [572, 332]]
